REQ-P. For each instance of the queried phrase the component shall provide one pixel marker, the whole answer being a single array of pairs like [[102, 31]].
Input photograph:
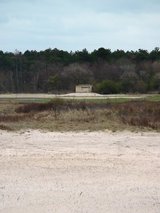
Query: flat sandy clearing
[[97, 172], [71, 96]]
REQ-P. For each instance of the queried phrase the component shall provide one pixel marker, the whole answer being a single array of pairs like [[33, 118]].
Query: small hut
[[84, 88]]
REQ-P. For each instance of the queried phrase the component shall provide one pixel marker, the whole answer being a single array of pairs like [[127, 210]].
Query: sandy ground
[[86, 172], [70, 96]]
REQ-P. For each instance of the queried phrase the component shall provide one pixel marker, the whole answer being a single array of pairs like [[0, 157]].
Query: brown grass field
[[69, 115]]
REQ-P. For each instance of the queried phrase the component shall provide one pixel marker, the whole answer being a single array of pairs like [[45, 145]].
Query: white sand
[[97, 172], [70, 95]]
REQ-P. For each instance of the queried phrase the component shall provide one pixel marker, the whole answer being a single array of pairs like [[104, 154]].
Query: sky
[[77, 24]]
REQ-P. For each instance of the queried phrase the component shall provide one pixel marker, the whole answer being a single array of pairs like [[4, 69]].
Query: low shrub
[[142, 114]]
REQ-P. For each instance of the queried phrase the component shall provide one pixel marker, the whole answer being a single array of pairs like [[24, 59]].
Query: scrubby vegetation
[[140, 114], [72, 115]]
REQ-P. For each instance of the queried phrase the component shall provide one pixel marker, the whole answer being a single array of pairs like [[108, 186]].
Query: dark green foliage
[[108, 87], [54, 83], [54, 70]]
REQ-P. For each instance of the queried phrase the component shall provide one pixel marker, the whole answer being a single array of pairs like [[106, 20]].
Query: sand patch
[[95, 172]]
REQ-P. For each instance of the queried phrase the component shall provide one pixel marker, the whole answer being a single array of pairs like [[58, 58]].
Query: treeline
[[54, 70]]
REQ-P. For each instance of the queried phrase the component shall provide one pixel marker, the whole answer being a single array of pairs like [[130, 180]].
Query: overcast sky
[[78, 24]]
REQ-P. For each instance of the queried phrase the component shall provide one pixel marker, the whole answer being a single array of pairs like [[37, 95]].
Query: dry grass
[[5, 127], [63, 115], [141, 114]]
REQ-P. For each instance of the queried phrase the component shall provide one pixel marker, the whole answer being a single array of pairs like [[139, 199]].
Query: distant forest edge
[[58, 71]]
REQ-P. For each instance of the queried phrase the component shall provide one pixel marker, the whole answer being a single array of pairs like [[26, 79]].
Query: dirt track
[[70, 96], [98, 172]]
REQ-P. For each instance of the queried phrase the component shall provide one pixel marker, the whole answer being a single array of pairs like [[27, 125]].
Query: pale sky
[[78, 24]]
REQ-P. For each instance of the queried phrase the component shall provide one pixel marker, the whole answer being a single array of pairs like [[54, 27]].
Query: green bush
[[108, 87]]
